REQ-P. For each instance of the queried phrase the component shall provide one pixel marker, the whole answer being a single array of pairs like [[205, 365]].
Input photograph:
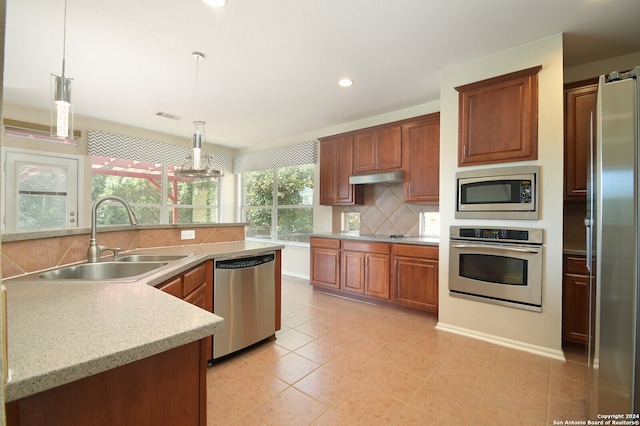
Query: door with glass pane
[[41, 192]]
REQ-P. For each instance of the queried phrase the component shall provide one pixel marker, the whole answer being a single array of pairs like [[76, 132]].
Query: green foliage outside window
[[283, 196]]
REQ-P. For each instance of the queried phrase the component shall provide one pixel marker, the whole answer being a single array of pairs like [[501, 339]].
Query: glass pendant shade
[[61, 108]]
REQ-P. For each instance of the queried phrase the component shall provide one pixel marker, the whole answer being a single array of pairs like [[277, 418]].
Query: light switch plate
[[188, 235]]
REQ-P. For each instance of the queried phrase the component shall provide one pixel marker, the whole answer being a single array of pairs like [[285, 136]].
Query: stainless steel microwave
[[498, 193]]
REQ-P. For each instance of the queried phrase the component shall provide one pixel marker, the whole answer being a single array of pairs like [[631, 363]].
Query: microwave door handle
[[519, 250]]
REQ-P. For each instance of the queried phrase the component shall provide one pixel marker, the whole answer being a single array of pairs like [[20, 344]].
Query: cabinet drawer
[[197, 297], [325, 242], [369, 247], [416, 251], [575, 265], [194, 278], [173, 287]]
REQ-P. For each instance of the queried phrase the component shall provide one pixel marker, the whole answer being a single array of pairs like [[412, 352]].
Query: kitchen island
[[61, 333]]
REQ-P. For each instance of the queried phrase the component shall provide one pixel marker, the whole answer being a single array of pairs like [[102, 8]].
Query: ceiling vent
[[167, 115]]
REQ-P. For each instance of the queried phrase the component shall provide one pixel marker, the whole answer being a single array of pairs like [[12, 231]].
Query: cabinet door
[[364, 152], [378, 150], [575, 308], [416, 283], [336, 165], [197, 297], [498, 119], [377, 275], [421, 159], [325, 267], [580, 102], [328, 171], [389, 148], [353, 271]]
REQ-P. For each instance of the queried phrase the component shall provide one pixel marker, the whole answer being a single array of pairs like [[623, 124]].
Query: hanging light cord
[[64, 38]]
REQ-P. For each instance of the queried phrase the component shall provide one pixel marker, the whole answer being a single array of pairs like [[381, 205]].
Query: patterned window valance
[[119, 146], [291, 155]]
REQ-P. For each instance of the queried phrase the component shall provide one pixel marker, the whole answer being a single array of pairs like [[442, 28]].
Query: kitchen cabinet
[[421, 159], [325, 262], [336, 165], [415, 276], [195, 286], [575, 302], [365, 268], [168, 388], [498, 119], [377, 149], [579, 104]]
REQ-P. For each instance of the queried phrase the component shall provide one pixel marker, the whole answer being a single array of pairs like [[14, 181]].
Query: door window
[[40, 192]]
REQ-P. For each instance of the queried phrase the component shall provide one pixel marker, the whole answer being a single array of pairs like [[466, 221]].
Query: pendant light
[[193, 166], [61, 108]]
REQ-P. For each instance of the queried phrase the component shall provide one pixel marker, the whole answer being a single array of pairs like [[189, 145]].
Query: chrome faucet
[[95, 250]]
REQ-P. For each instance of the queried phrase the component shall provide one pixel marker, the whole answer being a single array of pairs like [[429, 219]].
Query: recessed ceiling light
[[345, 82], [215, 3]]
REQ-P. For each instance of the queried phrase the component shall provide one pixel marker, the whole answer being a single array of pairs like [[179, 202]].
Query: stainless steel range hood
[[396, 176]]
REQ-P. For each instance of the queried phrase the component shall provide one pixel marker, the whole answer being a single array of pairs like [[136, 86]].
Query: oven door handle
[[480, 246]]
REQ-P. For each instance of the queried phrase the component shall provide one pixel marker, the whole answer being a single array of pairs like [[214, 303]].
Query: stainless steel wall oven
[[497, 265]]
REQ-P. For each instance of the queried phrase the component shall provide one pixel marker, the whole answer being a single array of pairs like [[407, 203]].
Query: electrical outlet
[[188, 235]]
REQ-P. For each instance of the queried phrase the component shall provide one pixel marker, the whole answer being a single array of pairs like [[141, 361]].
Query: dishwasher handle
[[245, 262]]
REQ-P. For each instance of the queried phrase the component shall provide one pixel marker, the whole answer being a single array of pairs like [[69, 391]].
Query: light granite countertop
[[62, 331], [425, 241]]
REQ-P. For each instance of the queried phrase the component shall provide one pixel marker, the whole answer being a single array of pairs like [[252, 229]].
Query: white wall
[[532, 331], [605, 66]]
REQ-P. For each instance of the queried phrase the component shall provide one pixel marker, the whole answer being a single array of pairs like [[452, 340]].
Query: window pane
[[259, 223], [199, 199], [195, 215], [295, 185], [39, 212], [259, 188], [295, 225]]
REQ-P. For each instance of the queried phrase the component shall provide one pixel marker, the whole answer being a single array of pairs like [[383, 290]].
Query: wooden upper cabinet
[[336, 165], [498, 119], [421, 159], [580, 103], [378, 149]]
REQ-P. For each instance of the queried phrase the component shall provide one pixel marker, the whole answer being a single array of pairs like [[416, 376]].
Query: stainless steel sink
[[104, 271], [150, 258]]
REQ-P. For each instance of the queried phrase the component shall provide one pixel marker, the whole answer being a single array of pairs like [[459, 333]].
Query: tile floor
[[342, 362]]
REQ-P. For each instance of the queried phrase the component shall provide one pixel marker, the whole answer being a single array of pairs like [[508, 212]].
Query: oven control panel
[[521, 235]]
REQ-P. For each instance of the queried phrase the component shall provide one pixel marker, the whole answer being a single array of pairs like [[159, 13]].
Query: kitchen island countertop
[[62, 331]]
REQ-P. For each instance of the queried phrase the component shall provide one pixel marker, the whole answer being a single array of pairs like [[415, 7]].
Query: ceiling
[[271, 67]]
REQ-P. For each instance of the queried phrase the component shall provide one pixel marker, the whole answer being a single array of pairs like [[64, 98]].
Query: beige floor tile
[[290, 407], [254, 388], [369, 406], [327, 385], [396, 383], [222, 409], [291, 367], [293, 339]]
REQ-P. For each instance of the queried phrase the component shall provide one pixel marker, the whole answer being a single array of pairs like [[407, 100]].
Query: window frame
[[274, 207], [9, 186]]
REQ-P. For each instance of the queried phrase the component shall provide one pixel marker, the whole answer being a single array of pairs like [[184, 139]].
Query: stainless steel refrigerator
[[614, 247]]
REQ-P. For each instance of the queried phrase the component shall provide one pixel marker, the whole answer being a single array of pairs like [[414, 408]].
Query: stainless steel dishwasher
[[244, 295]]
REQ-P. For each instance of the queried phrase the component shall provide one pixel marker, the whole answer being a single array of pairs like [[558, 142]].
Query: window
[[155, 193], [351, 222], [41, 191], [278, 203]]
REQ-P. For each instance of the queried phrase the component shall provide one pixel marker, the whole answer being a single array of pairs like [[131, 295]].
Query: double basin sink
[[126, 268]]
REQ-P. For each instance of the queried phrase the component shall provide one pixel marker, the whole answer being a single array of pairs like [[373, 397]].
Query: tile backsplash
[[384, 211]]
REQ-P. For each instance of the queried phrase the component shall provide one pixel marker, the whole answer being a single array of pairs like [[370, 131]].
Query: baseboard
[[294, 275], [514, 344]]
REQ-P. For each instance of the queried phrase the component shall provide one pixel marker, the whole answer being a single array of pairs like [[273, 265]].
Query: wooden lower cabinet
[[325, 262], [575, 302], [404, 274], [415, 276], [365, 268], [164, 389], [196, 287]]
